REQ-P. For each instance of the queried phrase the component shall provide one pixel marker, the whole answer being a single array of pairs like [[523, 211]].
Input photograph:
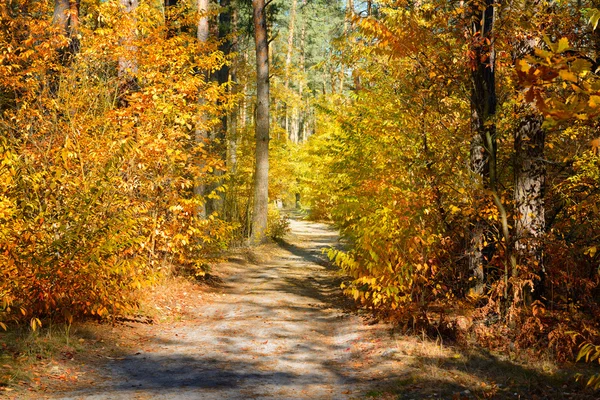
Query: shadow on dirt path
[[280, 328]]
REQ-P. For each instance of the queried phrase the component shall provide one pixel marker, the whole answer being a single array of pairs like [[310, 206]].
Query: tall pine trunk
[[261, 173]]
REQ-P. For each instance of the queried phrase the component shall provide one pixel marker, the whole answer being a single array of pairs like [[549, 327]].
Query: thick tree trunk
[[530, 179], [201, 132], [261, 175], [483, 142]]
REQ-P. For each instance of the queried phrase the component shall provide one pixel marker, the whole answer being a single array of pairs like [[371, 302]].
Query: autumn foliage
[[455, 145], [394, 171], [96, 176]]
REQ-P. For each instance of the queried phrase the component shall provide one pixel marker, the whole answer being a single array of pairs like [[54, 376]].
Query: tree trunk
[[128, 66], [299, 112], [201, 136], [483, 142], [215, 203], [290, 44], [530, 179], [288, 67], [347, 21], [66, 17], [232, 139], [261, 175]]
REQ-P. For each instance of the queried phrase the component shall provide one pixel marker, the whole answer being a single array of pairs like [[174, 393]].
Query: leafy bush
[[278, 225], [96, 180]]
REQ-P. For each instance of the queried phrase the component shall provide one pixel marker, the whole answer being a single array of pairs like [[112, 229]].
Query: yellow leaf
[[591, 251], [567, 75], [563, 44], [523, 65]]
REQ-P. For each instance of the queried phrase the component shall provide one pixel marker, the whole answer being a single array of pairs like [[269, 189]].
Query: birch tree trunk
[[530, 180], [128, 64], [201, 136], [261, 174]]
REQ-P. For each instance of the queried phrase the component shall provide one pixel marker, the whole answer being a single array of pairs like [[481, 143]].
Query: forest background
[[453, 143]]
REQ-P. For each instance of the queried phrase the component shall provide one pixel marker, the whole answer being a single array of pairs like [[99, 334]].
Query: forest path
[[277, 326], [274, 328]]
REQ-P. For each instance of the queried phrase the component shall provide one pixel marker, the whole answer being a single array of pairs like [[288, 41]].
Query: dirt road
[[278, 327], [275, 329]]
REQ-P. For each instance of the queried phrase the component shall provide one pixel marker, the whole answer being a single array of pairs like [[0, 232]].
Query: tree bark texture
[[483, 142], [261, 174], [290, 44], [230, 209], [530, 180]]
